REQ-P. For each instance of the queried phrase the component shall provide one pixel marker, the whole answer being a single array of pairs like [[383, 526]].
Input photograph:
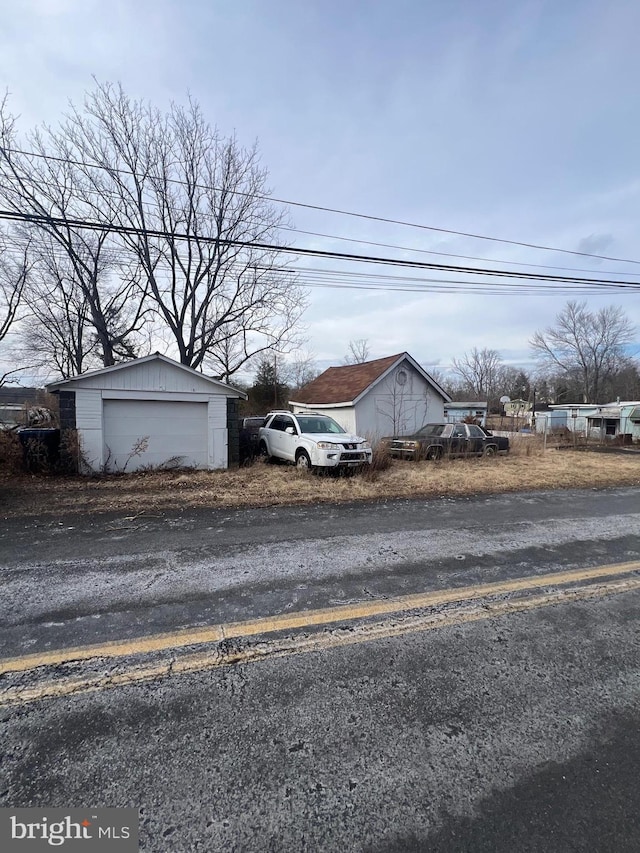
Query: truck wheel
[[303, 460], [490, 450], [434, 453], [263, 452]]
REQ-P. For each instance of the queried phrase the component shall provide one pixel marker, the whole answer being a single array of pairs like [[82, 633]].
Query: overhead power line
[[148, 205], [338, 211], [323, 277], [129, 230]]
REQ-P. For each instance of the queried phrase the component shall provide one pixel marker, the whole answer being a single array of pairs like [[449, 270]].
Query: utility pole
[[275, 380], [533, 412]]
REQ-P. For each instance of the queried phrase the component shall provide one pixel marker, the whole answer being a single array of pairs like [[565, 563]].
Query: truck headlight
[[327, 445]]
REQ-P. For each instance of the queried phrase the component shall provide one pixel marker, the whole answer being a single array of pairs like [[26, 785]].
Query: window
[[431, 429], [475, 431], [280, 423], [318, 424], [459, 431]]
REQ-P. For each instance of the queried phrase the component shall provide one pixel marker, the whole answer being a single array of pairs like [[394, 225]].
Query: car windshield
[[315, 423], [431, 429]]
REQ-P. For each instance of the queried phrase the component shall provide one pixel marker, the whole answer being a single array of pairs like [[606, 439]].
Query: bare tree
[[48, 189], [14, 271], [14, 274], [359, 351], [479, 371], [57, 330], [192, 207], [298, 370], [586, 346]]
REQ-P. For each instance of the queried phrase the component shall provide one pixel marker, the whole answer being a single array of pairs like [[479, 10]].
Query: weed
[[11, 454], [380, 461]]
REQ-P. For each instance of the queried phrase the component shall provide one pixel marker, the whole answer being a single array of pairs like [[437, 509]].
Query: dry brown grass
[[528, 467], [10, 453]]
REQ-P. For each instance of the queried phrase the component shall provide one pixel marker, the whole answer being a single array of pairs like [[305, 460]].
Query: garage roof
[[346, 384], [89, 379]]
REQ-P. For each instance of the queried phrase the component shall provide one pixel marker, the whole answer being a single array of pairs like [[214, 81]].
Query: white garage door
[[161, 431]]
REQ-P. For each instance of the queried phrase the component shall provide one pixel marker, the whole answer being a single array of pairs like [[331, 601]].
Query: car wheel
[[434, 453], [302, 460], [490, 450], [263, 452]]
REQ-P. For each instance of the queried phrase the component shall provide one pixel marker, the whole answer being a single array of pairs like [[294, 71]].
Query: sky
[[516, 120]]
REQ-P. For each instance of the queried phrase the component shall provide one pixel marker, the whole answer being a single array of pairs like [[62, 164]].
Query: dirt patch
[[526, 468]]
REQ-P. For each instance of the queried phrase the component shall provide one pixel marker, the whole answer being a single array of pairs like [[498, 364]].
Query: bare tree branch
[[53, 186], [479, 371], [359, 352], [585, 346], [173, 173]]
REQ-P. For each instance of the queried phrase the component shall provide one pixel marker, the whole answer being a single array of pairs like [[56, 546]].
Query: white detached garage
[[150, 412]]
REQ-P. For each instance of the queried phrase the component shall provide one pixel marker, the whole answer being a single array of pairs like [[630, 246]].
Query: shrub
[[380, 461], [10, 453]]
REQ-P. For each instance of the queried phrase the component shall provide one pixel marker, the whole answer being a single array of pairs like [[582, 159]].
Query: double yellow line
[[359, 614]]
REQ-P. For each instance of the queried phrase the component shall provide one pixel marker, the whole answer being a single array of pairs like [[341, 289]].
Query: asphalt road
[[420, 696]]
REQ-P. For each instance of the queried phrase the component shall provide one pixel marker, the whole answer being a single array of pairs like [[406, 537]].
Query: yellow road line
[[316, 642], [306, 618]]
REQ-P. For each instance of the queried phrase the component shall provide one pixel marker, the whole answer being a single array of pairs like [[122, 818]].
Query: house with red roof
[[383, 397]]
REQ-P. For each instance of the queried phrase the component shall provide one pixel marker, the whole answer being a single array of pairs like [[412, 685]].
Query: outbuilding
[[458, 411], [150, 412], [387, 396]]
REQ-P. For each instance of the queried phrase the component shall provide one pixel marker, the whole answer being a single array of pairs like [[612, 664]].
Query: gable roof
[[74, 381], [348, 383]]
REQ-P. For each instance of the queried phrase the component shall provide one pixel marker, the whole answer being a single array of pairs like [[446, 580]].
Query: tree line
[[582, 358]]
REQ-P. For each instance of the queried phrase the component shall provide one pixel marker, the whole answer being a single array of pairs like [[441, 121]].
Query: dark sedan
[[435, 441]]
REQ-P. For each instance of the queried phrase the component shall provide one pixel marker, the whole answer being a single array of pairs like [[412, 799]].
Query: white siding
[[388, 407], [89, 426], [166, 430], [344, 415], [391, 408], [154, 375], [217, 430], [179, 413]]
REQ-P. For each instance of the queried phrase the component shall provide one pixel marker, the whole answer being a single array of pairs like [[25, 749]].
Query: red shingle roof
[[344, 384]]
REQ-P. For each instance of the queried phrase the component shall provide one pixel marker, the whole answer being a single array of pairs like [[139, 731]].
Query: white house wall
[[628, 426], [94, 440], [154, 375], [389, 408], [344, 415], [550, 420], [89, 426], [217, 432]]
